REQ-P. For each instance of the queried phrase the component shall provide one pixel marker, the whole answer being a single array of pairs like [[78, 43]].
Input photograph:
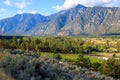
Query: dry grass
[[5, 76], [109, 55]]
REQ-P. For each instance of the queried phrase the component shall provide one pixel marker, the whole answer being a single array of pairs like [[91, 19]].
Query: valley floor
[[99, 56]]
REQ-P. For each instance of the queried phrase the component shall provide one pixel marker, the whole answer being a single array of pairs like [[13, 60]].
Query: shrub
[[57, 56], [96, 65], [27, 67], [111, 68], [83, 62]]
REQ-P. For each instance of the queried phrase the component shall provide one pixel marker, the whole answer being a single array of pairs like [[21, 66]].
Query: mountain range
[[79, 20]]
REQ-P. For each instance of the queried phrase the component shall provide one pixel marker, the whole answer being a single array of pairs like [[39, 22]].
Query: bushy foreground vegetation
[[20, 65], [111, 67]]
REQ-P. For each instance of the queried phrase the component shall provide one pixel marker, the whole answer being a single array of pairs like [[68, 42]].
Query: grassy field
[[74, 57]]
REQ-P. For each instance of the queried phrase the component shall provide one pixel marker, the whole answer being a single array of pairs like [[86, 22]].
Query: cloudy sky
[[9, 8]]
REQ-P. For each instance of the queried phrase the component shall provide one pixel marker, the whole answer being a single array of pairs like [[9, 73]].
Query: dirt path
[[106, 56]]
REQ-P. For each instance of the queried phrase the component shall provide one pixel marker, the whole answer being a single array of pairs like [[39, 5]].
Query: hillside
[[79, 20]]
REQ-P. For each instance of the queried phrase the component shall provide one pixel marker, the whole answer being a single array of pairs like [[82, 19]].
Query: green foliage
[[73, 49], [83, 62], [96, 65], [117, 69], [28, 67], [111, 68], [80, 57], [118, 46], [57, 56], [50, 44]]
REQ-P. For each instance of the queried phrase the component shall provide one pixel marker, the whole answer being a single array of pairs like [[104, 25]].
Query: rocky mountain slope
[[79, 20]]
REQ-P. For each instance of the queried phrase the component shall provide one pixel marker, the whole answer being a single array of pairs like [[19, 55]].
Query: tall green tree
[[118, 46]]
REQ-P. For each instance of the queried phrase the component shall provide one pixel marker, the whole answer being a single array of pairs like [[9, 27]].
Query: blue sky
[[9, 8]]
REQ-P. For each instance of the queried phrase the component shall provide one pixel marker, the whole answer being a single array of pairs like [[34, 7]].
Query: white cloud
[[21, 4], [7, 2], [89, 3], [27, 11], [17, 3], [3, 10], [34, 12], [20, 11]]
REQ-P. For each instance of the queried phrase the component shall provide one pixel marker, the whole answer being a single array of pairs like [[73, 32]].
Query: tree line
[[52, 44]]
